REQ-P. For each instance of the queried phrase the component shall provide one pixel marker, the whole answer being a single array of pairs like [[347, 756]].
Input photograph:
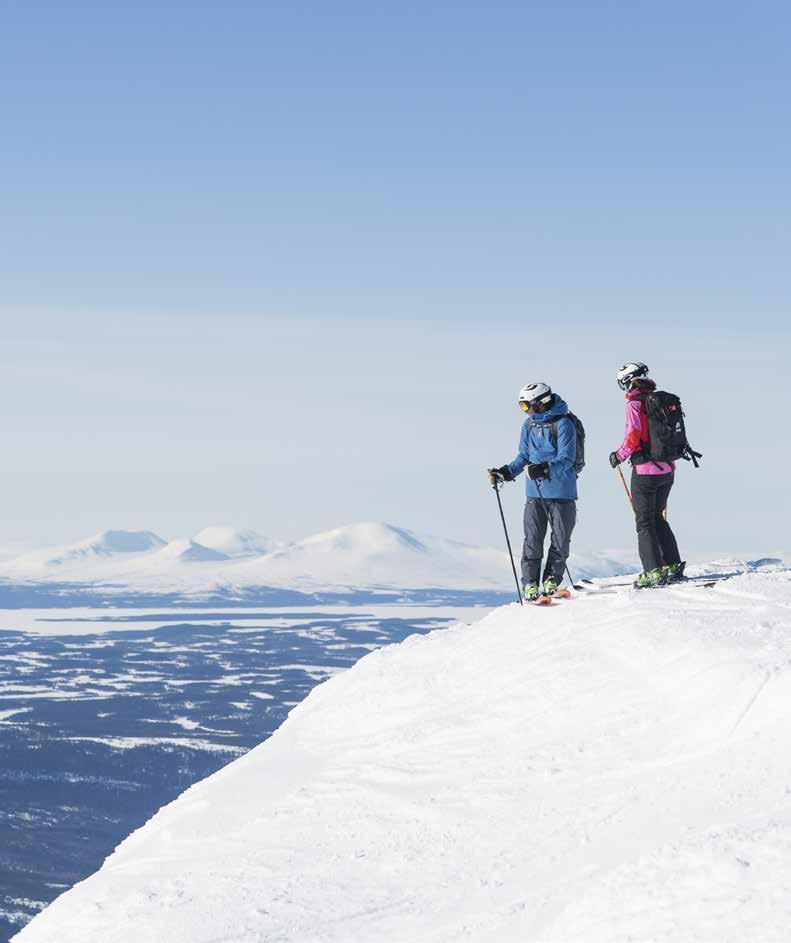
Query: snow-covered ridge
[[371, 555], [612, 768], [108, 543], [237, 543]]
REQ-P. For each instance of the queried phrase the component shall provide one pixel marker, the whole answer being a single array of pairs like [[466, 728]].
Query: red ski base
[[540, 601], [547, 600]]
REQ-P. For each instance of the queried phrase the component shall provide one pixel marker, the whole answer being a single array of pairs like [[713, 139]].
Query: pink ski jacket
[[637, 436]]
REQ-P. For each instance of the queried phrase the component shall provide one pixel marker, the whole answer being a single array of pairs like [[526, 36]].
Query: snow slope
[[609, 769]]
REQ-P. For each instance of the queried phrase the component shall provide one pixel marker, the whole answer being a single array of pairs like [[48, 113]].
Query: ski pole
[[625, 487], [508, 542], [549, 521]]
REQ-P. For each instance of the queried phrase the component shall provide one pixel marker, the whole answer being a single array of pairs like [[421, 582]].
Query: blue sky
[[286, 265]]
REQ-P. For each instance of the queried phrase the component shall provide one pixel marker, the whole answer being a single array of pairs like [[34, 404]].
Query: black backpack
[[667, 435], [579, 458]]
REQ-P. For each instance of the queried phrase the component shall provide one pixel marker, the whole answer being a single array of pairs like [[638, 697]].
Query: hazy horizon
[[151, 424], [287, 268]]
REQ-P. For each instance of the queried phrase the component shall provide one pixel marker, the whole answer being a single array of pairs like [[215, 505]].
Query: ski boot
[[674, 573], [531, 591], [550, 586], [650, 579]]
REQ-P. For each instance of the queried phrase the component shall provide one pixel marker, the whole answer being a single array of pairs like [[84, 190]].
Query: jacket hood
[[558, 408], [642, 386]]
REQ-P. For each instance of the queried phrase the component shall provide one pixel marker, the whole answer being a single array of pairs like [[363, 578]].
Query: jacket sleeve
[[633, 438], [516, 467], [566, 449]]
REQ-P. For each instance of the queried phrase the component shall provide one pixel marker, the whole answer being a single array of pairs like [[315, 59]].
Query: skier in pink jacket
[[650, 485]]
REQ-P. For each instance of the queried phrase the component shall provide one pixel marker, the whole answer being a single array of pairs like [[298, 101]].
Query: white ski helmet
[[535, 395], [629, 372]]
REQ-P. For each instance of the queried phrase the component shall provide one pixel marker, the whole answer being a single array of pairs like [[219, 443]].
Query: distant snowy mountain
[[615, 768], [187, 551], [100, 547], [374, 555], [370, 556], [237, 543], [386, 556]]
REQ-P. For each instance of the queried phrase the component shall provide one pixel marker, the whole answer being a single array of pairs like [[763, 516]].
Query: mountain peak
[[104, 545], [107, 542], [190, 551], [371, 536], [233, 542]]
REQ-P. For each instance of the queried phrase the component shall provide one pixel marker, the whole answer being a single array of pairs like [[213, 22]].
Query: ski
[[698, 584], [595, 590], [688, 584], [539, 601], [710, 579], [565, 594]]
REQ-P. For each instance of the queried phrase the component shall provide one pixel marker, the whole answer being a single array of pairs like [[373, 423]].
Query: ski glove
[[538, 471], [614, 460], [503, 473]]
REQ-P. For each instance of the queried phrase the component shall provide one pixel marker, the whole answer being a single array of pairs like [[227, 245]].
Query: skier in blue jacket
[[548, 449]]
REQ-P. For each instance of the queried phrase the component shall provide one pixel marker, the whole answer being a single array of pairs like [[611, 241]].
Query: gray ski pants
[[562, 518]]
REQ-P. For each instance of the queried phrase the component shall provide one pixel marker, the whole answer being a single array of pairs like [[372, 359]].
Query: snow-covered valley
[[612, 768]]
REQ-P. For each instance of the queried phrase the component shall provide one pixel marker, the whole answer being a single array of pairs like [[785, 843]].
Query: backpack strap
[[643, 455], [553, 427], [692, 456]]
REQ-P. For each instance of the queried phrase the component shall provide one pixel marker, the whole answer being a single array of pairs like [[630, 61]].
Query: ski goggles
[[525, 407]]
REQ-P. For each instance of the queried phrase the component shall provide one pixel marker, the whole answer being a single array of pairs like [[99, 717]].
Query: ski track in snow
[[611, 769]]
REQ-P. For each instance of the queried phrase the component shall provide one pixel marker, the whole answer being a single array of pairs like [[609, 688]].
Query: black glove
[[614, 460], [538, 472], [502, 473]]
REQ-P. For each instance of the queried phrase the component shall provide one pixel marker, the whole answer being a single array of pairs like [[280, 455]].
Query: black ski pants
[[656, 543], [562, 518]]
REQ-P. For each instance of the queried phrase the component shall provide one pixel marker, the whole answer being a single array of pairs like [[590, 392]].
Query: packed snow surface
[[611, 768]]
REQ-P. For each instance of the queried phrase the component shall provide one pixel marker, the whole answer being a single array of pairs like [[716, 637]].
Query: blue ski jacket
[[536, 445]]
